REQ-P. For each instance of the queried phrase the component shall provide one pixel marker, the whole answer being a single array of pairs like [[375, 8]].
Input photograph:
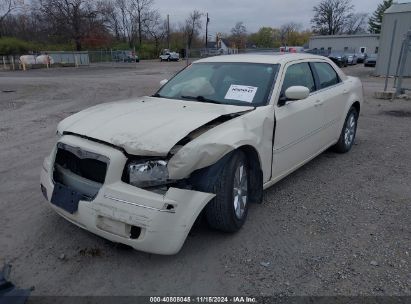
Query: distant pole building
[[400, 12], [362, 43]]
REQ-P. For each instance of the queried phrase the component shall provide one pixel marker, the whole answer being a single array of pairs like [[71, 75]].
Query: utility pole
[[206, 40], [168, 31]]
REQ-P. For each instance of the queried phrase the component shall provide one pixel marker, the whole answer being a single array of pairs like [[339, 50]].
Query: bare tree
[[192, 26], [125, 14], [69, 17], [287, 31], [141, 11], [331, 16], [156, 27], [356, 24], [239, 35], [110, 17], [6, 8]]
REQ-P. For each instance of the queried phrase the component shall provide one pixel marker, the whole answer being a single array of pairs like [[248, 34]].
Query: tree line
[[92, 24]]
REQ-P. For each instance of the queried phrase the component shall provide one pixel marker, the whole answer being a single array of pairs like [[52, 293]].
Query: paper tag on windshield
[[242, 93]]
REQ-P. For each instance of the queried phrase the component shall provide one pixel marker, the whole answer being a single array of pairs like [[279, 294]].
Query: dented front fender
[[255, 129]]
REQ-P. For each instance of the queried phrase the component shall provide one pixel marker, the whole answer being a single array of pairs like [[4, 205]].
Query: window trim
[[285, 72], [317, 77]]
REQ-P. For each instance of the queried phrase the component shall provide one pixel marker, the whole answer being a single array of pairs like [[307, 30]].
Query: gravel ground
[[338, 226]]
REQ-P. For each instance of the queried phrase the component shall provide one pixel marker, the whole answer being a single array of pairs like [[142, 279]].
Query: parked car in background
[[361, 57], [371, 60], [340, 59], [167, 55], [317, 52], [125, 56], [352, 58], [140, 171]]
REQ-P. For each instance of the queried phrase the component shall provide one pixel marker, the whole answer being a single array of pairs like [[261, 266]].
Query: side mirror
[[297, 93], [163, 82]]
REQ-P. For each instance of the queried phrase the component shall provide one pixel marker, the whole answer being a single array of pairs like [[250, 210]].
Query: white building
[[219, 47], [400, 12], [362, 43]]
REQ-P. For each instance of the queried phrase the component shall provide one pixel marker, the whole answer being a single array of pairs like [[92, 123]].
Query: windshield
[[223, 83]]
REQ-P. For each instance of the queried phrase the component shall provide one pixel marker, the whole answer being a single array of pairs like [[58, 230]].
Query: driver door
[[299, 123]]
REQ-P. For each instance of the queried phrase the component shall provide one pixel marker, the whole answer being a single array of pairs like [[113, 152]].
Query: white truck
[[167, 55]]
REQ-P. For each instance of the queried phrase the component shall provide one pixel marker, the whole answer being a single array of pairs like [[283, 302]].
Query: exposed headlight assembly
[[148, 173]]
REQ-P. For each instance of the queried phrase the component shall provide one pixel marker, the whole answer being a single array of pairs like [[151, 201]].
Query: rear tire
[[228, 210], [348, 132]]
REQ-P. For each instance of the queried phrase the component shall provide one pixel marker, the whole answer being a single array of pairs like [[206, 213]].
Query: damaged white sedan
[[140, 171]]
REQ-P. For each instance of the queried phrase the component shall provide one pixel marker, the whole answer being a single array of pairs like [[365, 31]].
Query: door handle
[[318, 102]]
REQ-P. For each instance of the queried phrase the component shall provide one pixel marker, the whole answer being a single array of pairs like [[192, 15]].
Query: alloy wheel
[[350, 129], [240, 190]]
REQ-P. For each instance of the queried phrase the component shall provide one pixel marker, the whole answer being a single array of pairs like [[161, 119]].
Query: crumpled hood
[[146, 126]]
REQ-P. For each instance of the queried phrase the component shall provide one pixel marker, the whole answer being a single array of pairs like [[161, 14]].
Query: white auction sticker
[[240, 92]]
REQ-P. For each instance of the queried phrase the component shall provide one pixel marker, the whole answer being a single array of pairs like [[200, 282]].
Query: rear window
[[327, 76]]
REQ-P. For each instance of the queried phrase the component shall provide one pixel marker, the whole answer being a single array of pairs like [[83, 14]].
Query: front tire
[[228, 210], [348, 132]]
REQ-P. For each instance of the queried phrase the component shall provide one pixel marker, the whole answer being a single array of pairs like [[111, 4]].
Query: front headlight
[[148, 173]]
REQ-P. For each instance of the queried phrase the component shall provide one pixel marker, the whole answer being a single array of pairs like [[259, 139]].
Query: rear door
[[334, 93], [298, 123]]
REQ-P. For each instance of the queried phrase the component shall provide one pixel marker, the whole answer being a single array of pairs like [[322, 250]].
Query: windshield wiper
[[157, 95], [201, 99]]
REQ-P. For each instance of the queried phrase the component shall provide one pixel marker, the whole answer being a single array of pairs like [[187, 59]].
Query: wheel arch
[[356, 105], [204, 179], [256, 173]]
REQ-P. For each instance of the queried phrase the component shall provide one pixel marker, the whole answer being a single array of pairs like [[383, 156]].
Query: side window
[[298, 75], [327, 76]]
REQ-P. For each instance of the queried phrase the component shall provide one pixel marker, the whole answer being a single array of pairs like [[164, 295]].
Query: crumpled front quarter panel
[[254, 129]]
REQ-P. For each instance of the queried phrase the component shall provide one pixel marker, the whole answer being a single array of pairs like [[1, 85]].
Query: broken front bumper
[[126, 214]]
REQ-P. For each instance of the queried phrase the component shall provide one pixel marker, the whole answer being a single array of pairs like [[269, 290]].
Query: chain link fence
[[10, 62], [44, 59], [75, 59], [113, 56]]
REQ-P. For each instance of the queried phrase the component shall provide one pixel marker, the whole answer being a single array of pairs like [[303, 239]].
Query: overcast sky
[[254, 13]]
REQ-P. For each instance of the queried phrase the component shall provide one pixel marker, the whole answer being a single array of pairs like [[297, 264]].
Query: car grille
[[80, 170]]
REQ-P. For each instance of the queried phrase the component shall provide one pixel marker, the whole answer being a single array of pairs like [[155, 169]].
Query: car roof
[[269, 58]]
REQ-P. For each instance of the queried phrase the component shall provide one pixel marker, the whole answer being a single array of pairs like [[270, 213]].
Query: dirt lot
[[338, 226]]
